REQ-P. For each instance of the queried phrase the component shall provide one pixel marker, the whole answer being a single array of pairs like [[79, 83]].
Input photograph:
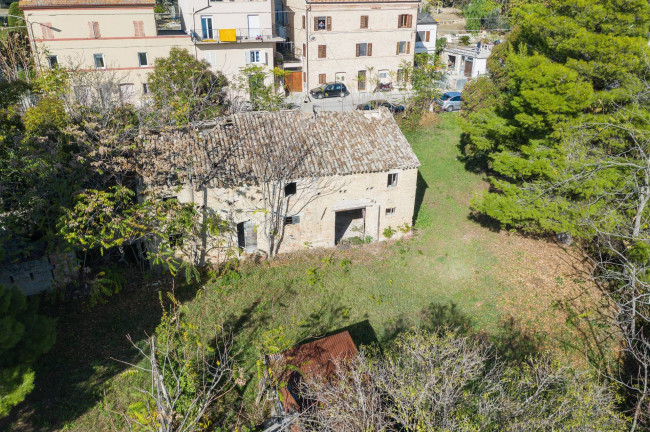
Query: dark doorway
[[349, 223], [247, 236], [469, 64]]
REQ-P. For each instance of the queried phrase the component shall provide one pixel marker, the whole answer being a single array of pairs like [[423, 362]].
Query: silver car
[[450, 101]]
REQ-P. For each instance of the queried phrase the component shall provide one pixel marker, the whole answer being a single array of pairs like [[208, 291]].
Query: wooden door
[[293, 81]]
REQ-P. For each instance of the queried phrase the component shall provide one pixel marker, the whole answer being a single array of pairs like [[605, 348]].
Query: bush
[[47, 117], [389, 232]]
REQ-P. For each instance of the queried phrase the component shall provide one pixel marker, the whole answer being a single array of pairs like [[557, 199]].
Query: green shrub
[[389, 231], [47, 117]]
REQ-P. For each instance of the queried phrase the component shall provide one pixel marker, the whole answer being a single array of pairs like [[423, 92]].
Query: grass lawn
[[453, 268]]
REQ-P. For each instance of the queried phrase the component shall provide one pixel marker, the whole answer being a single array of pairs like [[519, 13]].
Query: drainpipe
[[307, 27], [194, 12]]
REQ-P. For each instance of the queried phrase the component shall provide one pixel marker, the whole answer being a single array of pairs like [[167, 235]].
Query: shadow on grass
[[511, 341], [422, 187], [476, 163], [70, 377]]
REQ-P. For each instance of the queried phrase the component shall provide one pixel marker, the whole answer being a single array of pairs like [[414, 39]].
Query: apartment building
[[116, 37], [231, 34], [357, 42], [121, 39]]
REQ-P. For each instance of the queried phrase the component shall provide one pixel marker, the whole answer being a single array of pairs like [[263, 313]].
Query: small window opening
[[392, 180], [290, 189], [31, 276], [390, 211], [291, 220], [11, 279]]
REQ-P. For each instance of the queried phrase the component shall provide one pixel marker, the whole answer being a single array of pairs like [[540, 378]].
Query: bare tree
[[186, 379]]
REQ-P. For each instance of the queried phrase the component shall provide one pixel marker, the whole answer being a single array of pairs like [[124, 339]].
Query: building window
[[145, 88], [53, 61], [403, 47], [322, 78], [364, 49], [361, 80], [364, 22], [322, 23], [127, 93], [422, 36], [405, 21], [255, 56], [322, 51], [138, 26], [31, 276], [290, 189], [291, 220], [206, 27], [211, 57], [390, 211], [99, 61], [392, 180], [402, 75], [142, 59], [11, 279], [94, 29]]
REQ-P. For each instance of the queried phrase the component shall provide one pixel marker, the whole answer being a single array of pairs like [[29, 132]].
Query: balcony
[[244, 35]]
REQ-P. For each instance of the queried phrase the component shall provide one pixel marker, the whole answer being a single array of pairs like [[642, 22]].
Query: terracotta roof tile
[[253, 146], [26, 4]]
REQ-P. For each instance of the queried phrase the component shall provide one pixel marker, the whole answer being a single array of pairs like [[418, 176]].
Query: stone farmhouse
[[290, 180], [356, 42]]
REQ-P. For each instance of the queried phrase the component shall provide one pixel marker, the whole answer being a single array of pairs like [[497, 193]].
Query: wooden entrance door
[[293, 81]]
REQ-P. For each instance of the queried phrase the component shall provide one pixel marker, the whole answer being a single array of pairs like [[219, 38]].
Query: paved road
[[347, 103]]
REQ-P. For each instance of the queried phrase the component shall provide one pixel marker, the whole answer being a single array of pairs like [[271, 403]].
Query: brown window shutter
[[358, 49], [426, 39], [409, 21], [315, 23], [328, 23], [322, 78], [369, 49], [304, 50], [408, 47], [96, 29], [399, 21], [304, 76], [47, 31], [397, 48], [364, 21], [322, 51], [303, 21]]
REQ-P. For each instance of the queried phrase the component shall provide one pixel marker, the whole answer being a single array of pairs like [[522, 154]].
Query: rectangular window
[[390, 211], [364, 49], [53, 61], [361, 80], [392, 180], [255, 56], [322, 78], [364, 22], [145, 88], [99, 61], [211, 57], [138, 26], [323, 23], [94, 29], [322, 51], [290, 189], [46, 29], [405, 21], [401, 47], [142, 59], [291, 220], [206, 27], [402, 75]]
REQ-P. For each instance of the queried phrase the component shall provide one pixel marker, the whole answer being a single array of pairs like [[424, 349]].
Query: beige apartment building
[[357, 42], [326, 177], [120, 40]]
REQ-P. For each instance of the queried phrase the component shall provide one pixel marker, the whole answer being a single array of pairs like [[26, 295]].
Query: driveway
[[348, 103]]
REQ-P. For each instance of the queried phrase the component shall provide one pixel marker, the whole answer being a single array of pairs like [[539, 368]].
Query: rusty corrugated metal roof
[[317, 358]]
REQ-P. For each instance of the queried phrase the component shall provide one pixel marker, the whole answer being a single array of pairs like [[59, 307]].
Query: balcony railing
[[239, 35]]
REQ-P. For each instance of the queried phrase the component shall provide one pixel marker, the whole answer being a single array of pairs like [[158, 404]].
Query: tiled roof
[[317, 358], [26, 4], [262, 146]]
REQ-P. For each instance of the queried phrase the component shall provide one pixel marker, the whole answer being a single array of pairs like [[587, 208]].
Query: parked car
[[329, 90], [450, 101], [374, 104]]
